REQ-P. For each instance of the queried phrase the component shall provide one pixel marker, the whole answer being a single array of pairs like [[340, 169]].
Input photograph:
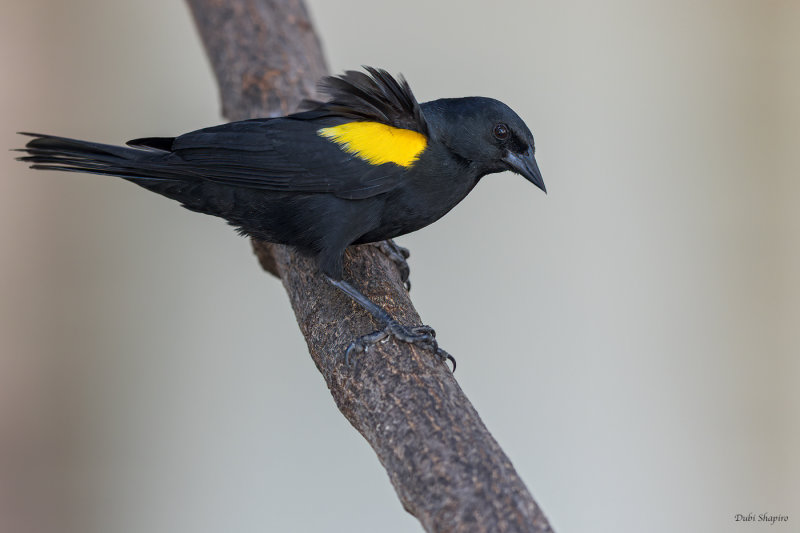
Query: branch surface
[[447, 469]]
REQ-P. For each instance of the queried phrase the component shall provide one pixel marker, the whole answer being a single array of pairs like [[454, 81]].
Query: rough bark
[[447, 469]]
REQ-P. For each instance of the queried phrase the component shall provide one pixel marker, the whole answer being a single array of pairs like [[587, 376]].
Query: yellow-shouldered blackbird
[[368, 164]]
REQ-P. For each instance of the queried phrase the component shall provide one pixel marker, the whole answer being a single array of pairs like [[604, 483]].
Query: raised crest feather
[[375, 96]]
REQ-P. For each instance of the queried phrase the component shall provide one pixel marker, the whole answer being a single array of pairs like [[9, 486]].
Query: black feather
[[377, 96], [47, 152], [159, 143]]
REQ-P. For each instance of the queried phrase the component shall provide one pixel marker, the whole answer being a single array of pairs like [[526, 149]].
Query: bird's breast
[[427, 194]]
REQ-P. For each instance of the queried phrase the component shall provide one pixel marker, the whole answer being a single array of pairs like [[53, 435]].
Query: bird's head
[[487, 133]]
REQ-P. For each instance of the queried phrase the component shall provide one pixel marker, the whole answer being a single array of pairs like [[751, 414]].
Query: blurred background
[[631, 339]]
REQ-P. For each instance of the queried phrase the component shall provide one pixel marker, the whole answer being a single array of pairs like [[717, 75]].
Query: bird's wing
[[360, 143], [289, 155]]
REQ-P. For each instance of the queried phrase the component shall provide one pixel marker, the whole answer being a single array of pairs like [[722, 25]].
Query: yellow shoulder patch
[[377, 143]]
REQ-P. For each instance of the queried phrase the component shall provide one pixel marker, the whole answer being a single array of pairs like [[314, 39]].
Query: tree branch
[[447, 469]]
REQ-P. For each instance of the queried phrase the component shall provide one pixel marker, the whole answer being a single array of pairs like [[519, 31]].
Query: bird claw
[[361, 344], [398, 255], [444, 357], [424, 336]]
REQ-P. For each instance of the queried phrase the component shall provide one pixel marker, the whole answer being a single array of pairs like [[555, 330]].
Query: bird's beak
[[525, 165]]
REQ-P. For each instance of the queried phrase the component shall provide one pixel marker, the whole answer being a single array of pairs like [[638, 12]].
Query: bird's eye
[[501, 131]]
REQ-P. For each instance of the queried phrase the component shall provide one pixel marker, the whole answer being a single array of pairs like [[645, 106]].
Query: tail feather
[[49, 152], [159, 143]]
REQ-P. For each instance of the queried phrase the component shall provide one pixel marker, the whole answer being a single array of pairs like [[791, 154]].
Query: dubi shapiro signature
[[762, 517]]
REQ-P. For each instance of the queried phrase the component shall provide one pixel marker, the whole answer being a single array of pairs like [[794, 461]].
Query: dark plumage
[[368, 164]]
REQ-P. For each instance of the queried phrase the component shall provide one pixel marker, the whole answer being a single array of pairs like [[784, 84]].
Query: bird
[[365, 164]]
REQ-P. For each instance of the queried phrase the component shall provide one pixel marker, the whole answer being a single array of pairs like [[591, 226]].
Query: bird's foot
[[423, 336], [398, 255]]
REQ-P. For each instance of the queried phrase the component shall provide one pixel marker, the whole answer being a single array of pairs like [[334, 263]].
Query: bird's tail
[[138, 164]]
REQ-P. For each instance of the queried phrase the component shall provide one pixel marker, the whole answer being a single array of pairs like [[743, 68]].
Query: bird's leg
[[420, 335], [398, 255]]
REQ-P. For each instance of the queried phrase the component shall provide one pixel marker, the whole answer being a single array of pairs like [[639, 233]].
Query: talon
[[414, 335], [398, 255], [444, 356], [425, 330], [350, 349], [424, 336], [361, 344]]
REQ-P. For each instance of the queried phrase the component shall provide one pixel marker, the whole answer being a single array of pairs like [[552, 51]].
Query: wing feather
[[278, 154], [287, 154]]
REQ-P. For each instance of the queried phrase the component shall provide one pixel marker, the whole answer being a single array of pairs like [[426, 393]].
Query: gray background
[[630, 339]]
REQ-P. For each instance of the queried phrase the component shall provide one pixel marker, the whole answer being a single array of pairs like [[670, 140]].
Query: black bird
[[368, 164]]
